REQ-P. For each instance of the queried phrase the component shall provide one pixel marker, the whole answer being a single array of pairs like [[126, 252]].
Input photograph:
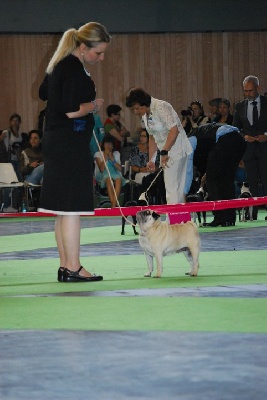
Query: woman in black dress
[[67, 187]]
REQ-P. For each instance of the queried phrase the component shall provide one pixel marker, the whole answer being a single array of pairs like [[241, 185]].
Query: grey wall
[[126, 16]]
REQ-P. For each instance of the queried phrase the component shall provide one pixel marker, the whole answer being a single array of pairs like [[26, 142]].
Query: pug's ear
[[155, 215]]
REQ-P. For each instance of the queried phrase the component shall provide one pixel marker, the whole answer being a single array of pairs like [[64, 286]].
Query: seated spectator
[[224, 116], [214, 108], [3, 150], [194, 116], [99, 133], [139, 158], [15, 142], [31, 160], [134, 138], [114, 127], [112, 161], [12, 143]]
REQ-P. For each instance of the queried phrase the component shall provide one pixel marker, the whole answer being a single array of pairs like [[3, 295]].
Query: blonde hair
[[91, 34]]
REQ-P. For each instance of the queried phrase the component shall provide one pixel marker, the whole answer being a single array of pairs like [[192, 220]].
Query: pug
[[158, 239]]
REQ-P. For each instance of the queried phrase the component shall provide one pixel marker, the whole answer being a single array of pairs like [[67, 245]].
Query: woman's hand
[[124, 132], [261, 138], [107, 154], [86, 108], [184, 121], [97, 104], [111, 157], [151, 166], [250, 139], [34, 164], [137, 169], [164, 161]]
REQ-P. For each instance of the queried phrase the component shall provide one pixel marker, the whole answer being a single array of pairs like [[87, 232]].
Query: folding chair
[[101, 196], [8, 179], [29, 191]]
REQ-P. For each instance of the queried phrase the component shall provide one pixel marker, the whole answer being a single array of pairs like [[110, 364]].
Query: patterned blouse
[[139, 158]]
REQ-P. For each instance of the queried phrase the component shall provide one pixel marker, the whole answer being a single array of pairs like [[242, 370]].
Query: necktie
[[255, 115]]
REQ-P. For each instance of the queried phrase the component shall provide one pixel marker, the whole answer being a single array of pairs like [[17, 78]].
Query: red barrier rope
[[161, 209], [183, 207]]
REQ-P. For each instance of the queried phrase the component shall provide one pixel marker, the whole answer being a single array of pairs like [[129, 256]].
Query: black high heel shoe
[[60, 274], [74, 276]]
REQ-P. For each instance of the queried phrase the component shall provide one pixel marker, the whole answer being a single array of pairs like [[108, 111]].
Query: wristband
[[163, 152], [95, 109]]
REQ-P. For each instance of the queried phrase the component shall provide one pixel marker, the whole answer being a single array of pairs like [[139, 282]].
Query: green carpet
[[89, 235], [161, 314], [45, 240], [33, 278], [25, 277], [131, 313]]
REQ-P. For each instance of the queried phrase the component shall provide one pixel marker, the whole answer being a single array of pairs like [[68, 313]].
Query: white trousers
[[174, 179]]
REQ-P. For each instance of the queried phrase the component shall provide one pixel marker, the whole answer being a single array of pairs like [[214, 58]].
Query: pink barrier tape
[[160, 209], [183, 207]]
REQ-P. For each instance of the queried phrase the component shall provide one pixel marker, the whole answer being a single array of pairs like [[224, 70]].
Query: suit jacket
[[241, 122]]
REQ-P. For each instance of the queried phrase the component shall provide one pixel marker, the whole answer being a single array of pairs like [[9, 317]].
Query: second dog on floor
[[200, 196], [245, 213]]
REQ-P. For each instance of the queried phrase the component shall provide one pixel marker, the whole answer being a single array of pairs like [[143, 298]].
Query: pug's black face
[[146, 218], [155, 215]]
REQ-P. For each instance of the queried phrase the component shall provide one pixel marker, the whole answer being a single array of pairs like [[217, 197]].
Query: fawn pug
[[158, 239]]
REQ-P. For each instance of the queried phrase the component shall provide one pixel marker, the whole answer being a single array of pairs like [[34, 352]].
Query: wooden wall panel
[[177, 67]]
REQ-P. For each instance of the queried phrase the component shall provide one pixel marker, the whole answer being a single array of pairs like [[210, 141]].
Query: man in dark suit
[[251, 118]]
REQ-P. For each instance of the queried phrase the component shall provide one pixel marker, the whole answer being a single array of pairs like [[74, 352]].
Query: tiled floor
[[79, 365]]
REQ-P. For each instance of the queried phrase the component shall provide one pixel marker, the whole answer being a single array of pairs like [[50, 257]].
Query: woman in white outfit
[[166, 133]]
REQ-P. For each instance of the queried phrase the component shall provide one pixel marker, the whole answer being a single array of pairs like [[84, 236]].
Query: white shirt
[[162, 118]]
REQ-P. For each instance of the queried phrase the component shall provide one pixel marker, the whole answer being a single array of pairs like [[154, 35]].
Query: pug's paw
[[191, 273]]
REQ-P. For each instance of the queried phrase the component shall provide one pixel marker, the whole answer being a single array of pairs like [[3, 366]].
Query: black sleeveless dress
[[68, 165]]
